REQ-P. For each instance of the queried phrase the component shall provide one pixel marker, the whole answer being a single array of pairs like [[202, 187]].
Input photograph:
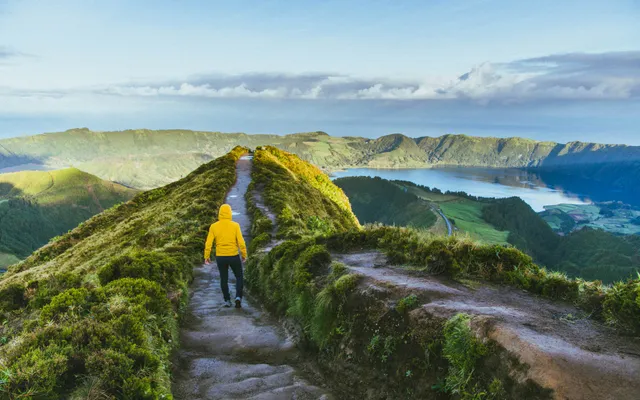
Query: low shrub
[[259, 241], [621, 306], [72, 303], [12, 297], [152, 265], [142, 292], [407, 304]]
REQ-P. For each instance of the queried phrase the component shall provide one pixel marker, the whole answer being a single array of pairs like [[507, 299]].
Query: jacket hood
[[225, 212]]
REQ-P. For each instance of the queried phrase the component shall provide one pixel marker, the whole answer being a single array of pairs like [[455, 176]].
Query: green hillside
[[587, 253], [378, 200], [463, 211], [36, 206], [146, 158], [302, 196], [96, 310]]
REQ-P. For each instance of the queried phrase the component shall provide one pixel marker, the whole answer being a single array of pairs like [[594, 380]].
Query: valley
[[36, 206]]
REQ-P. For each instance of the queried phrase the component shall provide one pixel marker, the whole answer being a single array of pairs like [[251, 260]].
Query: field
[[466, 216]]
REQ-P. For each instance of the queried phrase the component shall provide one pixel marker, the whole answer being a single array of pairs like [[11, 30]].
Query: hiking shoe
[[238, 302], [227, 303]]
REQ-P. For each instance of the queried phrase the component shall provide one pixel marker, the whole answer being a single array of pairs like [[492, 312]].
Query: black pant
[[224, 262]]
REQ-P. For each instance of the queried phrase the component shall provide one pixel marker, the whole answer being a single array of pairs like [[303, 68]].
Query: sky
[[549, 70]]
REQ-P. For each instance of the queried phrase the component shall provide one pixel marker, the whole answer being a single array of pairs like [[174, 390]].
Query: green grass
[[467, 216], [7, 259], [376, 200], [100, 305], [302, 197], [35, 206]]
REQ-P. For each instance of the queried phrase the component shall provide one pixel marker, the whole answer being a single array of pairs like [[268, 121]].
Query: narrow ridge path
[[228, 353]]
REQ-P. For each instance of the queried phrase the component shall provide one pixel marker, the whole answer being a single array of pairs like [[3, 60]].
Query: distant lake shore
[[482, 182]]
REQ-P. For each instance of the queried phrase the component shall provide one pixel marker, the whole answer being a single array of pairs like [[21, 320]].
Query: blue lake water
[[483, 182]]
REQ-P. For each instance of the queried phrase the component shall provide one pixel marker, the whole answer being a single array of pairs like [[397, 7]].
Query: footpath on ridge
[[229, 353]]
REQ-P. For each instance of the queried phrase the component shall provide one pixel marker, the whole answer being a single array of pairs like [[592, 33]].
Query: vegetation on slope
[[35, 206], [464, 212], [95, 312], [587, 253], [527, 231], [379, 200], [596, 254], [350, 327], [302, 197]]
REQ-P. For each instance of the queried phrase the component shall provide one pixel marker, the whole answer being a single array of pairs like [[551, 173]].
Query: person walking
[[230, 246]]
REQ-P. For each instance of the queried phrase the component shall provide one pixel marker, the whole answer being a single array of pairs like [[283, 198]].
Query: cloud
[[577, 76], [7, 52], [560, 77]]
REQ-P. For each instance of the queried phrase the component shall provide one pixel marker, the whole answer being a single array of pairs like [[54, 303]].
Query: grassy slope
[[302, 197], [588, 253], [378, 200], [37, 205], [97, 309], [466, 214]]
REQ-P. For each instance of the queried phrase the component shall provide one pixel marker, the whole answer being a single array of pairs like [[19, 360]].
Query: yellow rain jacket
[[226, 234]]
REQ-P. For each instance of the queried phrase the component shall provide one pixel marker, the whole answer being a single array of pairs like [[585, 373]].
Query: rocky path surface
[[230, 353], [565, 351]]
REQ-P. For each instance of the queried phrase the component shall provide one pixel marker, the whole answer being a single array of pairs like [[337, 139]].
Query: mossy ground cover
[[96, 311], [302, 197]]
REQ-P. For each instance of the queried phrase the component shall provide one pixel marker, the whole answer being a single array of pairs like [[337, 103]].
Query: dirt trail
[[565, 351], [228, 353]]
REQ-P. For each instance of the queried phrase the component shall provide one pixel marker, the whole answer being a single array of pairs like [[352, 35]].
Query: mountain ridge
[[146, 159]]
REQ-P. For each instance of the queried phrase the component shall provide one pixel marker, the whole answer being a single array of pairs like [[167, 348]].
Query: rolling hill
[[378, 200], [35, 206], [145, 158]]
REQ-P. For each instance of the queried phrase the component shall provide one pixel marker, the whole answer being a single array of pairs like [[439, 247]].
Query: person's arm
[[208, 245], [241, 244]]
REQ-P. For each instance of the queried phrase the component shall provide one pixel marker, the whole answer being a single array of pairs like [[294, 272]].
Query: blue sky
[[552, 70]]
